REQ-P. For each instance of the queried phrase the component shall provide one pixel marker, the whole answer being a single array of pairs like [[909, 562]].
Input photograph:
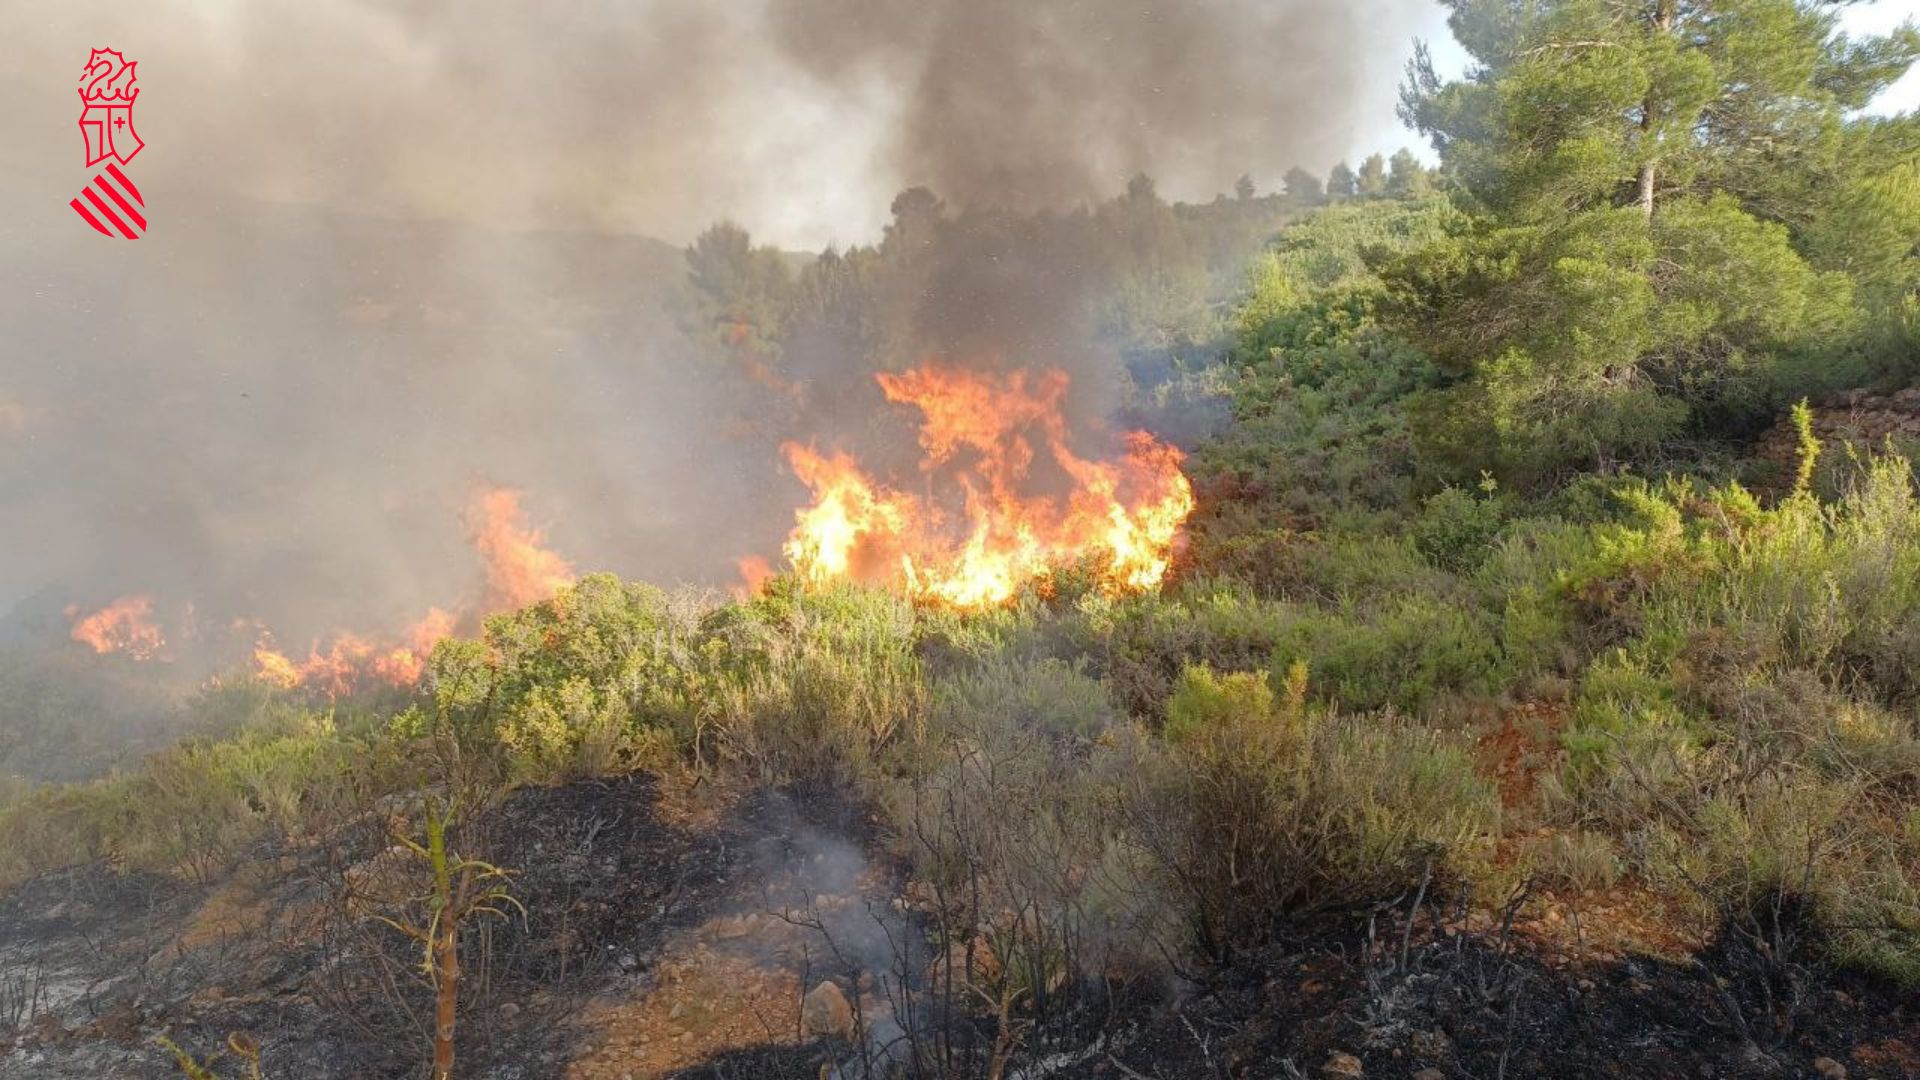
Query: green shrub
[[815, 686], [1579, 859], [1455, 527], [1204, 703], [1140, 645], [1409, 652], [1797, 857], [1263, 813], [1048, 696]]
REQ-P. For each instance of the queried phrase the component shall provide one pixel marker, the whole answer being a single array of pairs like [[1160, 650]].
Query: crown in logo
[[108, 79]]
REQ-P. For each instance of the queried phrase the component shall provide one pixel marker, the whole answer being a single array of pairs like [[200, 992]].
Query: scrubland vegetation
[[1487, 470]]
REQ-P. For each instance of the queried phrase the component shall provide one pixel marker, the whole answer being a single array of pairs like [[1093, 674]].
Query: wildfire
[[519, 571], [979, 430], [126, 625], [351, 657]]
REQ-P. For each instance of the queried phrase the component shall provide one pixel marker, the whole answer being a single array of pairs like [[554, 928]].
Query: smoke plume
[[401, 250]]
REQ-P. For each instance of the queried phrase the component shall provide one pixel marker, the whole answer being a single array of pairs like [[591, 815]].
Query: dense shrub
[[814, 686], [1263, 811]]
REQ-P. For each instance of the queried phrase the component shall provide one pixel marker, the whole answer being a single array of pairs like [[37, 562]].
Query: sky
[[799, 118], [1879, 17]]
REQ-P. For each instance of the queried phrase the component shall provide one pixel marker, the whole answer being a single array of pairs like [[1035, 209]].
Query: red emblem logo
[[111, 204], [107, 95]]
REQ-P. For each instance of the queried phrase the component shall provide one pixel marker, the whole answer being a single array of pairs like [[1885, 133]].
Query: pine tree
[[1643, 174], [1594, 103], [1406, 177], [1341, 183], [1302, 185], [1372, 181]]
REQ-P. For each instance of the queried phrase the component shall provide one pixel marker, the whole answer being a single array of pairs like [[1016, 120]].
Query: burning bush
[[978, 432]]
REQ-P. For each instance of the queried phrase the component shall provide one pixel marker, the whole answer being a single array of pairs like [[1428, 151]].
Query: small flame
[[980, 429], [350, 659], [126, 625], [755, 572], [520, 569]]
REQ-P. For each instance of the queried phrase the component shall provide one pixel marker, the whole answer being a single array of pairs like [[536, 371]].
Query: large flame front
[[978, 430]]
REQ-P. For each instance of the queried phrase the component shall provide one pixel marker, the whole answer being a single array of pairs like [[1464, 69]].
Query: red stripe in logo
[[125, 183], [81, 209], [125, 207], [113, 213], [100, 206]]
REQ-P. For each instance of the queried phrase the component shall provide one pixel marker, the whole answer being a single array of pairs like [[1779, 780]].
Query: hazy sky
[[800, 118], [797, 117]]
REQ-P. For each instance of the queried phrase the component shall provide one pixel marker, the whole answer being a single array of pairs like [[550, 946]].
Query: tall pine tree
[[1645, 177]]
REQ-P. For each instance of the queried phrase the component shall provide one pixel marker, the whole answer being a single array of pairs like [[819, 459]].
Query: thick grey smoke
[[399, 249], [799, 117], [1043, 103]]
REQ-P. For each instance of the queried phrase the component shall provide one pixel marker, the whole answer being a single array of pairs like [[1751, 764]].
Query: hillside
[[1447, 622]]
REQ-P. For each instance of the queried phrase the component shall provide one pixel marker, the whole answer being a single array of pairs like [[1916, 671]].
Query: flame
[[350, 659], [980, 430], [520, 569], [126, 625], [755, 572]]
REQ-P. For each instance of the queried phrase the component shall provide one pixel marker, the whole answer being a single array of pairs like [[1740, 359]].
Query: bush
[[1048, 696], [1409, 653], [1800, 862], [815, 686], [1263, 813], [1455, 526], [594, 680]]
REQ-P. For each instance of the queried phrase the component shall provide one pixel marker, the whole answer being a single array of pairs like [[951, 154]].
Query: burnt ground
[[96, 964], [672, 932]]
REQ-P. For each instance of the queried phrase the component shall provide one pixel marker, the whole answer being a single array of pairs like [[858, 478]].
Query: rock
[[824, 1011], [508, 1011], [1428, 1073], [1829, 1068], [1342, 1065]]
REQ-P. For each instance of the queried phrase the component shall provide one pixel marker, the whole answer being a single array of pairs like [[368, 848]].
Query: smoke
[[401, 249], [1044, 104], [798, 117]]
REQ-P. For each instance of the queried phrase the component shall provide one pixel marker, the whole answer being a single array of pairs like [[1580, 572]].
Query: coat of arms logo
[[111, 203]]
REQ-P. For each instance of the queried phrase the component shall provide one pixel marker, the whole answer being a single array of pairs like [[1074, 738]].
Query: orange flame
[[520, 569], [126, 625], [979, 429], [350, 660]]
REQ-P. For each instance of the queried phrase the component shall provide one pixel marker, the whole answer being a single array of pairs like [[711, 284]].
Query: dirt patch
[[1524, 746], [705, 1005]]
